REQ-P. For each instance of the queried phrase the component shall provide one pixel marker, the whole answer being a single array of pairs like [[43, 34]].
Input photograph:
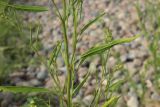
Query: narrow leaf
[[22, 89], [116, 85], [101, 48], [112, 101], [98, 97], [91, 22], [25, 7], [76, 90], [95, 96], [55, 53]]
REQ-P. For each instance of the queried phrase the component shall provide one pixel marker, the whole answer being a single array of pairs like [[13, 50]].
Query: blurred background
[[139, 60]]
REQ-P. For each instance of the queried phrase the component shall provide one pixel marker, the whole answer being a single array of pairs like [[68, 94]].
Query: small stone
[[92, 68], [133, 99], [82, 49], [149, 84], [42, 74], [128, 57], [90, 90], [136, 78], [49, 83], [76, 99], [93, 82], [31, 74], [15, 80], [104, 82], [85, 85], [88, 99], [111, 62], [131, 68], [35, 82], [82, 71], [152, 104], [23, 83], [131, 55], [141, 54], [155, 96], [121, 102], [132, 102], [60, 62], [120, 48], [123, 58], [17, 74], [117, 74], [137, 62], [125, 88], [62, 80], [63, 69], [31, 69]]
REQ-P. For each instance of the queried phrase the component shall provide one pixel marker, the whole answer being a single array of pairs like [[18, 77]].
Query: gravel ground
[[122, 19]]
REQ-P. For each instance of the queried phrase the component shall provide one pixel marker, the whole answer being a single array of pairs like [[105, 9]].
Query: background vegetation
[[20, 45]]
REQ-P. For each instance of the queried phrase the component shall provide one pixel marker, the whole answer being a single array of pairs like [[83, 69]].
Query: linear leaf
[[91, 22], [96, 94], [112, 101], [101, 48], [25, 7], [76, 90], [55, 53], [116, 85], [98, 97], [22, 89]]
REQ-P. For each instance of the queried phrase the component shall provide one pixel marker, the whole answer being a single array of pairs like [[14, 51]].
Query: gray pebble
[[88, 99], [23, 83], [42, 74], [35, 82]]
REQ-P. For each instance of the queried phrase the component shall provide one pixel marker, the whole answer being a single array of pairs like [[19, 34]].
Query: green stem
[[69, 73], [75, 22]]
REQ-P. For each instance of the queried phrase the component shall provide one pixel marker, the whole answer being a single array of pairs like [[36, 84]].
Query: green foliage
[[114, 86], [77, 89], [150, 25], [23, 7], [22, 89], [149, 19], [111, 102], [73, 9], [55, 53], [15, 49], [36, 102], [91, 22], [149, 22], [101, 48]]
